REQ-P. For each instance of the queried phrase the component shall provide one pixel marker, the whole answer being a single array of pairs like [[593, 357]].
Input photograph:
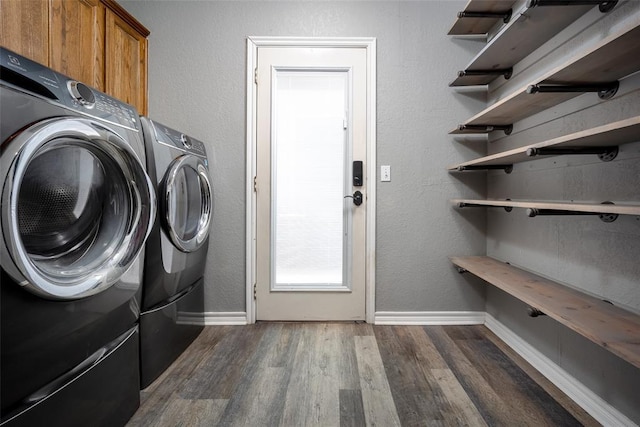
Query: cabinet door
[[16, 16], [77, 40], [125, 62]]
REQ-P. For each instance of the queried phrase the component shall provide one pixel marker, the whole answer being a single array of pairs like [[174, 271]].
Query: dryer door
[[77, 207], [187, 202]]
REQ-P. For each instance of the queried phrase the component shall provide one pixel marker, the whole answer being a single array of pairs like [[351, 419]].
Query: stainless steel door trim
[[204, 221], [95, 138]]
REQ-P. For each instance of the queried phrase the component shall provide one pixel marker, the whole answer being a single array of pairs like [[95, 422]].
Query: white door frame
[[368, 43]]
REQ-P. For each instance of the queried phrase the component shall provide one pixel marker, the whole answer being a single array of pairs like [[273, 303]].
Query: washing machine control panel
[[175, 139], [115, 111], [42, 81]]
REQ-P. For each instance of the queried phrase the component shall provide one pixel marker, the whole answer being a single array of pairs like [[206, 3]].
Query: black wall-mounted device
[[357, 173]]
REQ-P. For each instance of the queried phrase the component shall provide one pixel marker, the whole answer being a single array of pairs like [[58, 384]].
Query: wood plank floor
[[353, 374]]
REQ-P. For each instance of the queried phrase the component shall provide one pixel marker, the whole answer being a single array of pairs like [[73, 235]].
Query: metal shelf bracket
[[606, 154], [603, 5], [504, 72], [604, 217], [534, 312], [477, 205], [604, 90], [487, 128], [506, 15], [506, 168]]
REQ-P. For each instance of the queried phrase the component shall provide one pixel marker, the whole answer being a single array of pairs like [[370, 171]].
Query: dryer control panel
[[174, 139], [29, 76]]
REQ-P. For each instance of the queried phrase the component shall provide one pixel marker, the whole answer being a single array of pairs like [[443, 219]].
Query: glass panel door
[[310, 176], [311, 124]]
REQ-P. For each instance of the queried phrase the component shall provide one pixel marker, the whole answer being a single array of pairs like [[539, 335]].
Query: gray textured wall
[[583, 252], [197, 66], [196, 83]]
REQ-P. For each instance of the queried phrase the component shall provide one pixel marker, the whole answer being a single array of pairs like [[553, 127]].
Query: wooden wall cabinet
[[126, 55], [94, 41], [25, 28], [77, 40]]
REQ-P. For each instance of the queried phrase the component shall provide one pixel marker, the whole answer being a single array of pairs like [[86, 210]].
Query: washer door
[[187, 203], [77, 207]]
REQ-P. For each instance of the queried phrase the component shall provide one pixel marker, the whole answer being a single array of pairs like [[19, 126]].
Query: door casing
[[253, 44]]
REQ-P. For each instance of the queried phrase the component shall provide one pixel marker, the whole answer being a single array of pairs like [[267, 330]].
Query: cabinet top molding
[[126, 16]]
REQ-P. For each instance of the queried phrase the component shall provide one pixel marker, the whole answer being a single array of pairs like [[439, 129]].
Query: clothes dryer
[[77, 207], [176, 252]]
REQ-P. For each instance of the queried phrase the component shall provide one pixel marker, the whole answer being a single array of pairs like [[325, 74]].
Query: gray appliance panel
[[43, 81]]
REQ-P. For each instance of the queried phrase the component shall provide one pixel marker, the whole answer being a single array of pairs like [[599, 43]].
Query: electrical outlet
[[385, 173]]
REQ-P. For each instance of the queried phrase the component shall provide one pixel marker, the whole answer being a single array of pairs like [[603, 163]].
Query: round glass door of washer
[[187, 203], [80, 208]]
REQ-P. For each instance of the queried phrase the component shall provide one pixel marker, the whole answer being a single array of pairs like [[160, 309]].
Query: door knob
[[357, 198]]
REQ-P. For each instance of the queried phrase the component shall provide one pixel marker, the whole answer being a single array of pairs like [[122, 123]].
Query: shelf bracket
[[603, 5], [604, 90], [508, 209], [534, 312], [604, 217], [606, 154], [506, 168], [506, 15], [504, 72], [478, 205], [487, 128], [461, 270]]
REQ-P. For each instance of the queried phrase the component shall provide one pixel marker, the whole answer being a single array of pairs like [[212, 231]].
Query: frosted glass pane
[[308, 149]]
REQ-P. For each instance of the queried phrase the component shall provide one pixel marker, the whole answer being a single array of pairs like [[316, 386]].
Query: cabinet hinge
[[255, 75], [255, 291], [255, 184]]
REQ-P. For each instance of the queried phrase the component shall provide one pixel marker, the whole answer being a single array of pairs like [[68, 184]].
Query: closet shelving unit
[[597, 69], [608, 211], [480, 16], [602, 141], [527, 30], [609, 326]]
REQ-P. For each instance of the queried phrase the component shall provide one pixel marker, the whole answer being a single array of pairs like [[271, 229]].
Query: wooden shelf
[[611, 327], [595, 208], [611, 59], [527, 30], [612, 134], [475, 26]]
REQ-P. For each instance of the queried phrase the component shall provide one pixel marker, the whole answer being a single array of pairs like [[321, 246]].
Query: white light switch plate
[[385, 173]]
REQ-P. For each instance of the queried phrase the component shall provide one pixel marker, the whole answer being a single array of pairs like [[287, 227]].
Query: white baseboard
[[429, 318], [212, 318], [598, 408]]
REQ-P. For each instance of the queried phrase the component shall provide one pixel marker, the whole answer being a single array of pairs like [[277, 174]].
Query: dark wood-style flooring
[[353, 374]]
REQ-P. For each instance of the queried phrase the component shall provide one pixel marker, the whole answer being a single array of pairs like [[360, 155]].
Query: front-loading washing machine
[[77, 207], [176, 251]]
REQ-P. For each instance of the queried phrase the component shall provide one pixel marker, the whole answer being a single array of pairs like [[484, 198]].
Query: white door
[[310, 228]]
